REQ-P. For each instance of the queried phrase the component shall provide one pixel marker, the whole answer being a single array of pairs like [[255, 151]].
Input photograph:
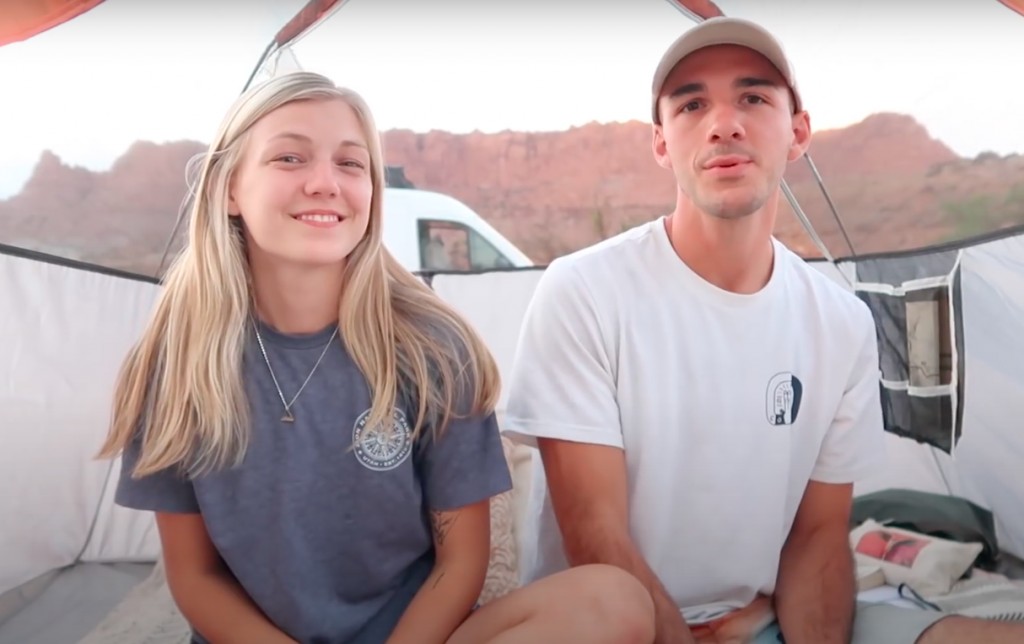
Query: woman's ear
[[233, 209]]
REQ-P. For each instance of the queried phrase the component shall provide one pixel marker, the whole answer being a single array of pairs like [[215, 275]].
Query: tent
[[948, 321], [70, 556]]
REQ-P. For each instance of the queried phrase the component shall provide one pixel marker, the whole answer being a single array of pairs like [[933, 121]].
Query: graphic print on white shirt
[[783, 398]]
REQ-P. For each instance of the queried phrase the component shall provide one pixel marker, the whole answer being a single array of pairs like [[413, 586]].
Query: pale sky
[[164, 71]]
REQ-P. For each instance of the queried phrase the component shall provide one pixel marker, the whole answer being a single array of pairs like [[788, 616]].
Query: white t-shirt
[[726, 405]]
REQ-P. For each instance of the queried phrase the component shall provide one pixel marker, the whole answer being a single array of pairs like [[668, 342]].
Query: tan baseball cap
[[722, 30]]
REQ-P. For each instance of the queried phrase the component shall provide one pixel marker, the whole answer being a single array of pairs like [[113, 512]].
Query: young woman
[[311, 425]]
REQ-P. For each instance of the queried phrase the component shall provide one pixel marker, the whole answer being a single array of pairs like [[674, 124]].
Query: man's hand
[[816, 589], [669, 626], [589, 496]]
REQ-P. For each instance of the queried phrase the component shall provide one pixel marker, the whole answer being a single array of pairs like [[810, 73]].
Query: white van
[[429, 231]]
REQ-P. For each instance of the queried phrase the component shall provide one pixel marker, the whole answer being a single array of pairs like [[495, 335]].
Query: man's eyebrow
[[687, 88], [751, 81], [746, 81]]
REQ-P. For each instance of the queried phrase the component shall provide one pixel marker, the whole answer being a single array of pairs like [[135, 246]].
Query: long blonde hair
[[180, 388]]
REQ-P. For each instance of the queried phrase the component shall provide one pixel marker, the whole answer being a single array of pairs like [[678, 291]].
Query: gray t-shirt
[[330, 542]]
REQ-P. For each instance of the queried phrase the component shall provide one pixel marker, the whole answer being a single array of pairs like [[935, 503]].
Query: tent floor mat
[[129, 603], [72, 602]]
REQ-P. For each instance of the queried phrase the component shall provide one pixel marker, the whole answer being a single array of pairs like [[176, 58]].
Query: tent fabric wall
[[65, 331], [992, 449], [494, 303]]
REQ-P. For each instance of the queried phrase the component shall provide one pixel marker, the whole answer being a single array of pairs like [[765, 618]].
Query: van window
[[450, 246]]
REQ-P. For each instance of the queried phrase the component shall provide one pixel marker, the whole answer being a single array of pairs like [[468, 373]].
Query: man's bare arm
[[588, 491], [816, 591]]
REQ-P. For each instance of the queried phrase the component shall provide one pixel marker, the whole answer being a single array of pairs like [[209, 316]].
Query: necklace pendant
[[287, 418]]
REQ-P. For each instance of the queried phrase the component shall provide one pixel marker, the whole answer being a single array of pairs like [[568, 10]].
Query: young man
[[702, 399]]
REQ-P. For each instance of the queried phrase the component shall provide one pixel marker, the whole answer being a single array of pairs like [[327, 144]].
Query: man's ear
[[660, 147], [801, 135]]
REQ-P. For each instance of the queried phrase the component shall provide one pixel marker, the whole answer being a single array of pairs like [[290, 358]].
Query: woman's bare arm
[[206, 593], [462, 541]]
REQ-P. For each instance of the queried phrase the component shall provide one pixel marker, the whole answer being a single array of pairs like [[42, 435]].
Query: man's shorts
[[876, 624]]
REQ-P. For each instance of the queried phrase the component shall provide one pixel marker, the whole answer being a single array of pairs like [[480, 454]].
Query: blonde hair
[[180, 389]]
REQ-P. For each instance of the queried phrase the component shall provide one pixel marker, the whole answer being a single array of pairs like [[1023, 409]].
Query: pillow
[[929, 565], [869, 576], [503, 568], [937, 515]]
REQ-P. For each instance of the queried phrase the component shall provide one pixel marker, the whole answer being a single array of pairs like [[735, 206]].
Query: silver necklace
[[288, 416]]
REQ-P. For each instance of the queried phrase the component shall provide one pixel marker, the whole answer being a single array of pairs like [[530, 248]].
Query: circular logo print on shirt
[[384, 446], [782, 402]]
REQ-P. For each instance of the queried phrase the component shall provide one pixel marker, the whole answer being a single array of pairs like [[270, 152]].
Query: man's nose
[[725, 125]]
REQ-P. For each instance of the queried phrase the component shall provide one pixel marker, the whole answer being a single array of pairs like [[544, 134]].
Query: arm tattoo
[[442, 522], [438, 580]]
